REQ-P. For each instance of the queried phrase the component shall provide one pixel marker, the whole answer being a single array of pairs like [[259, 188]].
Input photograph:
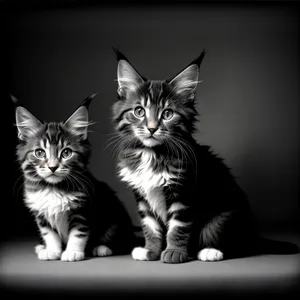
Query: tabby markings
[[54, 206]]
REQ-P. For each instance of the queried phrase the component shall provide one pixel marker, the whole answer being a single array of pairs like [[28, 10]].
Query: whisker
[[189, 151], [19, 178]]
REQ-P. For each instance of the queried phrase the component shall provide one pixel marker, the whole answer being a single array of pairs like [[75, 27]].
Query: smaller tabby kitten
[[189, 202], [76, 214]]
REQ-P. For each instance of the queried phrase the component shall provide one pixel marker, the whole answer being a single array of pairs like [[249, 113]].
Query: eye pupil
[[139, 111], [40, 153], [66, 153], [168, 114]]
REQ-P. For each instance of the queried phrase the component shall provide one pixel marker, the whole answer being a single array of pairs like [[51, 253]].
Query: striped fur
[[189, 202], [76, 214]]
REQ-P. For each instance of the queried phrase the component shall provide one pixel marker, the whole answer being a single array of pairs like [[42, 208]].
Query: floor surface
[[21, 272]]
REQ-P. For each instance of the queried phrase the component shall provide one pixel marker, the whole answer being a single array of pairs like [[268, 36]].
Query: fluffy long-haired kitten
[[189, 202], [76, 214]]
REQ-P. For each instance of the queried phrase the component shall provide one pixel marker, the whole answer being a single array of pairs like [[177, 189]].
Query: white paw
[[38, 248], [210, 254], [72, 256], [102, 250], [46, 254], [139, 253]]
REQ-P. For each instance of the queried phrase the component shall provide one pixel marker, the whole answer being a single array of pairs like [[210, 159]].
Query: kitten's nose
[[152, 130], [53, 169]]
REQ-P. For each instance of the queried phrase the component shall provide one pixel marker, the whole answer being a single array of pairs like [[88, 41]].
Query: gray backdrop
[[248, 101]]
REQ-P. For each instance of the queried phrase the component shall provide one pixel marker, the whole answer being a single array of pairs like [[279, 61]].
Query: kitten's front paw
[[210, 254], [38, 248], [140, 253], [174, 256], [46, 254], [102, 250], [72, 256]]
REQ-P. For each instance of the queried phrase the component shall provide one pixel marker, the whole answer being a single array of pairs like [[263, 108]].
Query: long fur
[[189, 202], [76, 214]]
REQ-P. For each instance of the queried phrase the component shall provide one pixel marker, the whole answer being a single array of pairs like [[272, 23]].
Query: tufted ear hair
[[78, 122], [187, 79], [129, 78]]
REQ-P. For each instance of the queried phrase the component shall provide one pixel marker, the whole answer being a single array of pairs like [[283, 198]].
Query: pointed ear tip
[[199, 59], [14, 99], [119, 55], [91, 97], [87, 101], [115, 49]]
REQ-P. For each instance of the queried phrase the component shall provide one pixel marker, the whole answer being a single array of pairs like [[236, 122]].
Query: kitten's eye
[[167, 114], [66, 153], [139, 112], [40, 153]]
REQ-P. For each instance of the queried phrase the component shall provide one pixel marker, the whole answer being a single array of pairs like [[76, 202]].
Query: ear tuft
[[119, 54], [87, 101], [14, 100], [199, 59], [78, 122], [188, 78]]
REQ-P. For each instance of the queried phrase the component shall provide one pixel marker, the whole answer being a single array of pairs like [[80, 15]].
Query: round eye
[[167, 114], [40, 153], [66, 153], [139, 112]]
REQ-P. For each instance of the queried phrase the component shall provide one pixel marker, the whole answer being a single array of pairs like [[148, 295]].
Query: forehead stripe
[[44, 142]]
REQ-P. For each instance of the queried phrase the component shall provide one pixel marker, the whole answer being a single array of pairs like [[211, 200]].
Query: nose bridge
[[53, 159], [152, 118]]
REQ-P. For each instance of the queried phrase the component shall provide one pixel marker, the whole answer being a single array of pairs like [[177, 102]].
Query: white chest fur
[[148, 182], [53, 205], [144, 178]]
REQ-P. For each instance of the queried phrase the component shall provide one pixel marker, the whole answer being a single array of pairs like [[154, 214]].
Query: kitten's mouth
[[151, 141], [53, 178]]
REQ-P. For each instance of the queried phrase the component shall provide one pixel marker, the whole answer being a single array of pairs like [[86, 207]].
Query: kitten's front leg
[[52, 248], [178, 234], [77, 240], [152, 233]]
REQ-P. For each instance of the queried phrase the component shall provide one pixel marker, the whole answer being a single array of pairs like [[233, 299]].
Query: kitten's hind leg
[[210, 254], [102, 250], [227, 235], [114, 241], [218, 236]]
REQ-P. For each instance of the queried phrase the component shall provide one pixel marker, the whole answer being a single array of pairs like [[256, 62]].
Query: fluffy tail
[[269, 246]]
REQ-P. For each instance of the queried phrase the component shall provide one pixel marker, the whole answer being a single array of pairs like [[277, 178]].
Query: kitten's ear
[[27, 123], [15, 101], [128, 77], [187, 79], [78, 122]]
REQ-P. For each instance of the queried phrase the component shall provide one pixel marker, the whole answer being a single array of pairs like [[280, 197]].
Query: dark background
[[248, 101]]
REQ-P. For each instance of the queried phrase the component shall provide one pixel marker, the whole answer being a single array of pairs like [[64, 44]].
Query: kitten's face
[[52, 152], [155, 112]]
